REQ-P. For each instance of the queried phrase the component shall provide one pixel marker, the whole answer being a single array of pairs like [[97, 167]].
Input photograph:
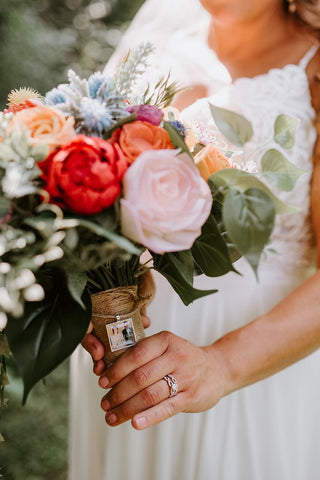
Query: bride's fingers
[[99, 367], [93, 346], [138, 381], [141, 354], [145, 319], [160, 412], [144, 400]]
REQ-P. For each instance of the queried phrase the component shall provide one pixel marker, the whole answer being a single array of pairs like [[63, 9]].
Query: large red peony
[[84, 175]]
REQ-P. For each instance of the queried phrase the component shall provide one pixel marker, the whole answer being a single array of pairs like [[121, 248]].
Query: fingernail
[[104, 382], [111, 418], [105, 405], [140, 422]]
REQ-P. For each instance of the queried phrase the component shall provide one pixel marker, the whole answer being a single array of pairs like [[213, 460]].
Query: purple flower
[[147, 113], [179, 127]]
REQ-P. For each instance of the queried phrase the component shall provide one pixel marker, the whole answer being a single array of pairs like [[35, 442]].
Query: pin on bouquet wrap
[[90, 179]]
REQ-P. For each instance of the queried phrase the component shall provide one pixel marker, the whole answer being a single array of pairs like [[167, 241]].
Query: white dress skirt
[[267, 431]]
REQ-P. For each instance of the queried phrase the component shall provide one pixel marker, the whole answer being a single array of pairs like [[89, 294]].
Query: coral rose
[[165, 201], [210, 160], [84, 175], [17, 107], [45, 124], [137, 137]]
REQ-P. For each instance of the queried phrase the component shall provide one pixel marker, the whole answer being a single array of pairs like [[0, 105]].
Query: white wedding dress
[[270, 430]]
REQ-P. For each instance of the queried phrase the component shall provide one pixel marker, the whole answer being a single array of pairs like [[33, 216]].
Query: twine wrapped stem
[[116, 319]]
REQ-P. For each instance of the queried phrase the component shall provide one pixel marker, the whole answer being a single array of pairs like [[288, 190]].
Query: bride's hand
[[139, 391], [96, 349], [146, 287]]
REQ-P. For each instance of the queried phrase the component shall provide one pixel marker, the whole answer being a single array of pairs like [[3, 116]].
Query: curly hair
[[308, 13]]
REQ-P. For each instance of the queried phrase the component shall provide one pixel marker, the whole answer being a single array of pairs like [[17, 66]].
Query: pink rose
[[165, 201]]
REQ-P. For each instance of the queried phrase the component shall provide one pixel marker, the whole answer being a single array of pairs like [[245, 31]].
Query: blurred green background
[[40, 40]]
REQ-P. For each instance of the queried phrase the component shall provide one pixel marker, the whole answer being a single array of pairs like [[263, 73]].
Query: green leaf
[[76, 283], [5, 205], [4, 346], [1, 440], [231, 178], [211, 252], [122, 242], [249, 218], [49, 330], [278, 171], [178, 269], [177, 139], [284, 130], [236, 128]]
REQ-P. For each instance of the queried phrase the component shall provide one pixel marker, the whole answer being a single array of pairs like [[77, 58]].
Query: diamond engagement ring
[[173, 385]]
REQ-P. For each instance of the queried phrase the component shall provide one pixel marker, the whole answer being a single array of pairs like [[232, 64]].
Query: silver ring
[[172, 384]]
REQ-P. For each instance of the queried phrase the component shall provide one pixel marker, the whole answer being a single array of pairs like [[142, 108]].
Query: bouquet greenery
[[91, 178]]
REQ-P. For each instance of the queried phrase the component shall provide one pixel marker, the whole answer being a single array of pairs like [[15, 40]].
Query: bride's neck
[[248, 49]]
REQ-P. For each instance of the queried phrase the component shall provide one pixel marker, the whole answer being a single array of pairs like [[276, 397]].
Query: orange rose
[[137, 137], [45, 124], [210, 160]]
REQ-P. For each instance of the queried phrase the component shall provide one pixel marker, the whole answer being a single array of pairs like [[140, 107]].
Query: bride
[[247, 333]]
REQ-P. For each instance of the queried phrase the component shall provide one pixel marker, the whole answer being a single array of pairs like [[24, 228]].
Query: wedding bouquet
[[90, 179]]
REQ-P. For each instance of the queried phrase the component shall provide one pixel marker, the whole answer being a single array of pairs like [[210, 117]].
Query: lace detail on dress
[[261, 99]]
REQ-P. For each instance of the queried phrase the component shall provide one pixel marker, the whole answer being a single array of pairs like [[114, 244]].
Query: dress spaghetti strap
[[308, 56]]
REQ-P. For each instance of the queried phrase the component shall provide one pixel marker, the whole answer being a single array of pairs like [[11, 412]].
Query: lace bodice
[[261, 99]]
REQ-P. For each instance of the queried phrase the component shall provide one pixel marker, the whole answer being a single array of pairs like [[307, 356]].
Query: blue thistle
[[96, 117], [55, 97], [100, 86]]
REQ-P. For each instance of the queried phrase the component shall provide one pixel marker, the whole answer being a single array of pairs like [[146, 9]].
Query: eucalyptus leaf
[[177, 139], [278, 171], [76, 283], [178, 269], [21, 144], [236, 128], [211, 252], [122, 242], [40, 151], [249, 218], [5, 206], [6, 152], [284, 130], [231, 178], [48, 331]]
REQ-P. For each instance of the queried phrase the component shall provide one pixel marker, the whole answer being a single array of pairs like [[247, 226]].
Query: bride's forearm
[[286, 334]]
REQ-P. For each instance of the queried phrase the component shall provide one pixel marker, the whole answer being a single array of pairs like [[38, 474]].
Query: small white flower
[[35, 293]]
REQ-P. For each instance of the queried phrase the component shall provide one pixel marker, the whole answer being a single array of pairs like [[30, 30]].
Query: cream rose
[[45, 124], [165, 201]]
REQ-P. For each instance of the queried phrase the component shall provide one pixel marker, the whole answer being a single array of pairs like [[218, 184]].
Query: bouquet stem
[[116, 319]]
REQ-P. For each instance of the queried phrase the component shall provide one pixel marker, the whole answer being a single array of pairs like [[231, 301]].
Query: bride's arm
[[286, 334]]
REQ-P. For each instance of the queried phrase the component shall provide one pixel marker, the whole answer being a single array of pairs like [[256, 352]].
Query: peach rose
[[137, 137], [45, 124], [210, 160], [165, 201]]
